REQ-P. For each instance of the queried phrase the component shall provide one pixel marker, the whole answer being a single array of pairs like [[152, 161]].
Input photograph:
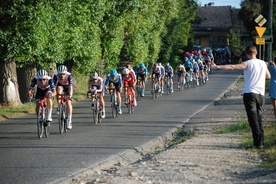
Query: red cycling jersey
[[128, 80]]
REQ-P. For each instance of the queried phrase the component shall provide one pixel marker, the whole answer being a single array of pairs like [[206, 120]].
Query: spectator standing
[[272, 87], [255, 73]]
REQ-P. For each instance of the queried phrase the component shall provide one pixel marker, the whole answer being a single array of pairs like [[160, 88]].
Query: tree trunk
[[9, 94], [24, 77]]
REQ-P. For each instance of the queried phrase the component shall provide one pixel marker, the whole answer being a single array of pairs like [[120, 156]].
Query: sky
[[233, 3]]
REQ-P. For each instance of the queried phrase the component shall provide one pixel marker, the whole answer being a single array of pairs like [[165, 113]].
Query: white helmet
[[94, 75], [62, 69], [167, 64], [125, 71], [42, 74]]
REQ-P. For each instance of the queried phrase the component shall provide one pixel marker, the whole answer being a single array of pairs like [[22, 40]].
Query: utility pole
[[269, 50]]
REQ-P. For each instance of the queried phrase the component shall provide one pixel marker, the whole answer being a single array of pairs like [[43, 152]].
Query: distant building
[[215, 25]]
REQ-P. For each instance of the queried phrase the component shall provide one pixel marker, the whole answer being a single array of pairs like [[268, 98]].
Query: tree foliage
[[92, 34]]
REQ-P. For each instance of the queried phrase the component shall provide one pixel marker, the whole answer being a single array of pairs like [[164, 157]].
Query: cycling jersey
[[142, 73], [42, 87], [98, 84], [169, 71], [64, 83], [128, 80], [116, 80]]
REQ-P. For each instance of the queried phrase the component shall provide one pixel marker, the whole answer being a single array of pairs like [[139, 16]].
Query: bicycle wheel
[[64, 119], [40, 123], [60, 120], [181, 83], [46, 130], [113, 106], [129, 104], [138, 92], [96, 112]]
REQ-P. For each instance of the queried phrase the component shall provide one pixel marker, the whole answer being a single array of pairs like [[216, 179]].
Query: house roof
[[215, 17]]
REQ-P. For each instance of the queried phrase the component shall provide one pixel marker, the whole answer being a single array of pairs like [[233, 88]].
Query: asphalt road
[[26, 159]]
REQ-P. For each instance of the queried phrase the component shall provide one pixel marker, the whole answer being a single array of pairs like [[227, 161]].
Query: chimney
[[210, 4]]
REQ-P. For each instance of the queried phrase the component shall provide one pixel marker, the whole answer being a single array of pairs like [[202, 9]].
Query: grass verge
[[269, 151]]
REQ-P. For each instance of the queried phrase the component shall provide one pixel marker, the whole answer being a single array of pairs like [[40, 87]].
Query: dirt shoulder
[[207, 157]]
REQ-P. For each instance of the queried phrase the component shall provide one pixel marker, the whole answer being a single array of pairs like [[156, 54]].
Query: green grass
[[269, 151]]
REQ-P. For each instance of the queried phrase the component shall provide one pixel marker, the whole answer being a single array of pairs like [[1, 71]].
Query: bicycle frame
[[138, 89], [97, 117], [62, 120], [41, 119], [130, 97], [168, 84], [155, 88], [113, 96], [182, 82]]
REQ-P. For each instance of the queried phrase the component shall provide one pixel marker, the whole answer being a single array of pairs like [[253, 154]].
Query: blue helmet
[[113, 73], [141, 65]]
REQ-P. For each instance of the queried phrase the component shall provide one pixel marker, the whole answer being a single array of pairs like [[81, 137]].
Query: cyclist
[[188, 64], [162, 73], [196, 71], [201, 68], [46, 89], [181, 72], [129, 80], [116, 79], [156, 73], [169, 73], [141, 73], [64, 85], [96, 85]]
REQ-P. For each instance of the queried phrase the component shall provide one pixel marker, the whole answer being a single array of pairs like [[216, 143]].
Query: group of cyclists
[[48, 87], [195, 64]]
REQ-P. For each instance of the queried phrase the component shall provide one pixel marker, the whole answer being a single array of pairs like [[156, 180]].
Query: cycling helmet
[[94, 76], [125, 71], [62, 69], [167, 64], [42, 74], [187, 54], [113, 73], [141, 65]]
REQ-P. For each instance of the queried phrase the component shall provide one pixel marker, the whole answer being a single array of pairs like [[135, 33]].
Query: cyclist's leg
[[119, 101], [67, 90], [48, 97]]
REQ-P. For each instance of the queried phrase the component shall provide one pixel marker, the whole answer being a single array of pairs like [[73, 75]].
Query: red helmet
[[187, 54]]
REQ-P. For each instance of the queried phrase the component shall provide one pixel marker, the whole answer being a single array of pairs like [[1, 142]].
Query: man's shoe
[[126, 102], [69, 125], [103, 114], [57, 111], [120, 111]]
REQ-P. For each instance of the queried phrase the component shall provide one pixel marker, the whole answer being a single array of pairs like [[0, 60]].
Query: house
[[215, 25]]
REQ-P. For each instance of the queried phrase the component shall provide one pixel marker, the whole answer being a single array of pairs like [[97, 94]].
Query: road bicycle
[[95, 106], [182, 82], [168, 85], [113, 100], [62, 119], [42, 125], [156, 91], [202, 79], [130, 99], [194, 80], [139, 89]]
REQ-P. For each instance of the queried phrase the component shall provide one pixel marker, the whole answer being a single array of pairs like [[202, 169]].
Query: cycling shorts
[[40, 93], [169, 74], [155, 75], [180, 73], [188, 69], [65, 89], [142, 77], [196, 69], [116, 85]]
